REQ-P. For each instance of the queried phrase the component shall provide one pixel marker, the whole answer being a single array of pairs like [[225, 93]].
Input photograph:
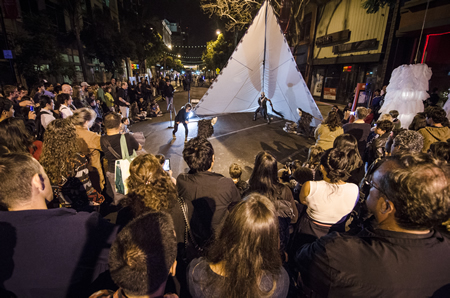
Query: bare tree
[[240, 13], [237, 13]]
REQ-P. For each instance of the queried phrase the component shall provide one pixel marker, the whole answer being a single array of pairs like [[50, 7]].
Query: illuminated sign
[[134, 66]]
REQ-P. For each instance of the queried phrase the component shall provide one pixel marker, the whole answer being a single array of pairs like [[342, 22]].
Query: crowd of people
[[366, 215]]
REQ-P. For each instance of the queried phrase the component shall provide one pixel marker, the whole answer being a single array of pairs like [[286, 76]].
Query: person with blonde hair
[[89, 144], [244, 259]]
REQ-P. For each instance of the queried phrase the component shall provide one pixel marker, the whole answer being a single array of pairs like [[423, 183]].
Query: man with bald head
[[405, 253], [67, 89]]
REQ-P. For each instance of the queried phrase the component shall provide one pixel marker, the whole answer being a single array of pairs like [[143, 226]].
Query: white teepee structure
[[261, 62]]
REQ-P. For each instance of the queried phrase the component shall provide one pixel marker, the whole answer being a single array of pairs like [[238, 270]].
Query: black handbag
[[191, 249]]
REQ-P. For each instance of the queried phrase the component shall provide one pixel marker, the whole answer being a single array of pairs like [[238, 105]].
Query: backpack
[[40, 130]]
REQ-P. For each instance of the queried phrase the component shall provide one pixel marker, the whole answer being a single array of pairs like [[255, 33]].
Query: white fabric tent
[[261, 62]]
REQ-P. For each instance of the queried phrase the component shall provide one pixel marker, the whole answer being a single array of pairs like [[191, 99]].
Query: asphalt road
[[237, 138]]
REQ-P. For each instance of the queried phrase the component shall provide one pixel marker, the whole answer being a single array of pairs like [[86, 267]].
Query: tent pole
[[265, 45]]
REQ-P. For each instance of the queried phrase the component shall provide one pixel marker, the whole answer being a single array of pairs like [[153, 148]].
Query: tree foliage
[[217, 52], [104, 41], [372, 6], [139, 27], [38, 52]]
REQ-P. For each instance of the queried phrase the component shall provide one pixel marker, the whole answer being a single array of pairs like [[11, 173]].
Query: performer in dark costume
[[262, 101], [182, 117]]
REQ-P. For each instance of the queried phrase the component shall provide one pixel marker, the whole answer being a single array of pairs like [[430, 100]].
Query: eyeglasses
[[370, 184]]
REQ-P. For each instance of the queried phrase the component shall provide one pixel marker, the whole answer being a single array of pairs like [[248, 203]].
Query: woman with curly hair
[[328, 130], [243, 261], [149, 187], [62, 162]]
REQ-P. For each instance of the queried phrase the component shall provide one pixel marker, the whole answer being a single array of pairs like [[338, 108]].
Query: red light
[[426, 43]]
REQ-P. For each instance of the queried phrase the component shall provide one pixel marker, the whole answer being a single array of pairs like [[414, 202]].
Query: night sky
[[189, 14]]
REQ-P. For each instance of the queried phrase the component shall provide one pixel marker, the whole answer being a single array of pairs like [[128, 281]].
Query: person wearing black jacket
[[404, 254], [168, 92], [182, 117]]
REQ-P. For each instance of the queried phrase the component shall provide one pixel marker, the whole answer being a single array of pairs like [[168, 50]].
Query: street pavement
[[237, 138]]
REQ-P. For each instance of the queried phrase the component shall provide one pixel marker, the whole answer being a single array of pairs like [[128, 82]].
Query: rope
[[421, 32]]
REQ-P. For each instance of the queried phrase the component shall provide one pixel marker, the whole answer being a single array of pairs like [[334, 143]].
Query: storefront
[[337, 82]]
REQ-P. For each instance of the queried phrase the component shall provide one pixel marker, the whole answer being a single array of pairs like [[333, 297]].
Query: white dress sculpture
[[406, 91]]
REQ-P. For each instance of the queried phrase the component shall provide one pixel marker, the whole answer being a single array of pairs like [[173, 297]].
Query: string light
[[190, 47], [176, 55]]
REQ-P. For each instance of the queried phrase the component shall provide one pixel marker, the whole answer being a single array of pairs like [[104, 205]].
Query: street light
[[170, 47], [218, 32], [179, 56]]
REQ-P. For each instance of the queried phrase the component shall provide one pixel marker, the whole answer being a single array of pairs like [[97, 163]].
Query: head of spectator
[[246, 248], [383, 127], [376, 93], [436, 116], [440, 151], [6, 109], [386, 117], [41, 87], [198, 153], [349, 144], [150, 188], [407, 141], [303, 174], [83, 117], [113, 81], [235, 172], [64, 99], [24, 183], [419, 121], [60, 147], [124, 85], [264, 177], [46, 102], [361, 113], [335, 164], [57, 90], [394, 114], [67, 89], [22, 92], [143, 255], [84, 86], [16, 136], [315, 152], [112, 122], [333, 120], [409, 193], [49, 87], [11, 92]]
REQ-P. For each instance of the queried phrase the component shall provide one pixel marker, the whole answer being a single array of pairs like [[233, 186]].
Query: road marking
[[239, 130]]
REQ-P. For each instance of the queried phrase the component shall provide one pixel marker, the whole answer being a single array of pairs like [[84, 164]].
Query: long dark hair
[[15, 135], [247, 249], [336, 164], [264, 178], [348, 143], [333, 120]]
